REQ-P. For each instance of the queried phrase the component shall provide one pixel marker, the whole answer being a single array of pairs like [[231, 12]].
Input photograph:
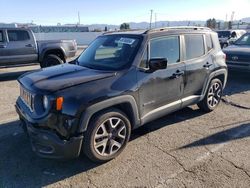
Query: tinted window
[[224, 34], [1, 36], [167, 47], [111, 52], [194, 46], [15, 35], [209, 42]]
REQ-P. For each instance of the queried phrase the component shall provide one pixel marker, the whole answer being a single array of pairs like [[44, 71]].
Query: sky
[[51, 12]]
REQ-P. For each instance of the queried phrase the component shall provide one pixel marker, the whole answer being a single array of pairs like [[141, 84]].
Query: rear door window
[[166, 47], [1, 36], [209, 42], [194, 46], [18, 35]]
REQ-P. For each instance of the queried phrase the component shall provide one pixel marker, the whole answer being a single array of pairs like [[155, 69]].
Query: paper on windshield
[[126, 41]]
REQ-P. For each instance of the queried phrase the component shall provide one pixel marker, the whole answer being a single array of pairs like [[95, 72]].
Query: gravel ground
[[185, 149]]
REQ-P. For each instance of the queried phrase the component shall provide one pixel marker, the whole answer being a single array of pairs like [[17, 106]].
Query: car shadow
[[187, 113], [235, 133], [20, 167], [9, 74]]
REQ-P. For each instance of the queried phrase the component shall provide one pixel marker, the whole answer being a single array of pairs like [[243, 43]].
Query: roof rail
[[176, 28], [122, 30]]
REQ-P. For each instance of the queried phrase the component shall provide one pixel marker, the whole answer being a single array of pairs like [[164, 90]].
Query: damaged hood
[[60, 77]]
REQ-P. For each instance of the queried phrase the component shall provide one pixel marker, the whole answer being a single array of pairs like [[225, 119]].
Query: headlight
[[45, 102]]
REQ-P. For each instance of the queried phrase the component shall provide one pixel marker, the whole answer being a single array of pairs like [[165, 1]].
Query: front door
[[3, 45], [20, 48], [160, 92]]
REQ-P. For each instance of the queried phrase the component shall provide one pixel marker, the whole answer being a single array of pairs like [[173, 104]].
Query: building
[[48, 29], [64, 28]]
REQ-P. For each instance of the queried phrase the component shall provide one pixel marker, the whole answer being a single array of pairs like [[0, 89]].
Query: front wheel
[[107, 135], [212, 97]]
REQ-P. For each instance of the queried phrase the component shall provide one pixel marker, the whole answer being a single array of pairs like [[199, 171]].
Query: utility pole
[[151, 16], [79, 18], [155, 20]]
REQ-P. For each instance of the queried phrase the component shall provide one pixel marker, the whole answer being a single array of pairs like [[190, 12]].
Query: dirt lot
[[185, 149]]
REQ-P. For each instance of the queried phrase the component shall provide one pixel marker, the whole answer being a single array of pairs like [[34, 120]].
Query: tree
[[124, 26], [211, 23], [230, 25]]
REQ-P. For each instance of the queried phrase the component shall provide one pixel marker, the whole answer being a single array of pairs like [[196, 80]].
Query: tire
[[107, 136], [212, 97], [51, 60], [225, 45]]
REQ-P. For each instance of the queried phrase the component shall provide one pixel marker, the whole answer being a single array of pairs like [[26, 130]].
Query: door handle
[[207, 65], [2, 46], [29, 45], [177, 74]]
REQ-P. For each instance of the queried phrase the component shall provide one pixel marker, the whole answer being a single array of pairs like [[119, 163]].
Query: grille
[[27, 98]]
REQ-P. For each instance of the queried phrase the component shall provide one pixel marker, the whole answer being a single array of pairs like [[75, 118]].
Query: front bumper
[[47, 143]]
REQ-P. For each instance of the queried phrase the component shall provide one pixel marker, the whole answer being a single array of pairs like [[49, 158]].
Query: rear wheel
[[51, 60], [107, 135], [212, 97]]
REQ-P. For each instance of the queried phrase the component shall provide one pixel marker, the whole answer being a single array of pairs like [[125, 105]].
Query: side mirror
[[157, 64]]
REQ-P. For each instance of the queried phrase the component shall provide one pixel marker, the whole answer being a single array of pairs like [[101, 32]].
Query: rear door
[[3, 45], [21, 47], [199, 63]]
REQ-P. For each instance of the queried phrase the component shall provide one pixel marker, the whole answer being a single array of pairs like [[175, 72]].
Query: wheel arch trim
[[95, 108], [221, 72], [44, 51]]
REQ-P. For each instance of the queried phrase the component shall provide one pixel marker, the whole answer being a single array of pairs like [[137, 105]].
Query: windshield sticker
[[126, 41]]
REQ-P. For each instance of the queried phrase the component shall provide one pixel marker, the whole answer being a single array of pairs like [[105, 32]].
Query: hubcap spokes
[[214, 95], [110, 136]]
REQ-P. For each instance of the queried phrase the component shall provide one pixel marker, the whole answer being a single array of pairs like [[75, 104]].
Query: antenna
[[155, 19]]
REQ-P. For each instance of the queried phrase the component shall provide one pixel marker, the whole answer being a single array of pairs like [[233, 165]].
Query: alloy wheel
[[110, 136], [214, 95]]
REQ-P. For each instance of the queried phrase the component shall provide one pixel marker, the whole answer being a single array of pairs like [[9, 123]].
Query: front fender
[[91, 110]]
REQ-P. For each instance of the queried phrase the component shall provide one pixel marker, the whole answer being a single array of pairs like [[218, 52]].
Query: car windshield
[[244, 40], [110, 52], [223, 34]]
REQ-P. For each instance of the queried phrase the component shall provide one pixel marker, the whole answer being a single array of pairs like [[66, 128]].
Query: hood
[[60, 77], [237, 49]]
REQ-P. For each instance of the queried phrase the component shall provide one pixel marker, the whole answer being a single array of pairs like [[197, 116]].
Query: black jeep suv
[[120, 82]]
